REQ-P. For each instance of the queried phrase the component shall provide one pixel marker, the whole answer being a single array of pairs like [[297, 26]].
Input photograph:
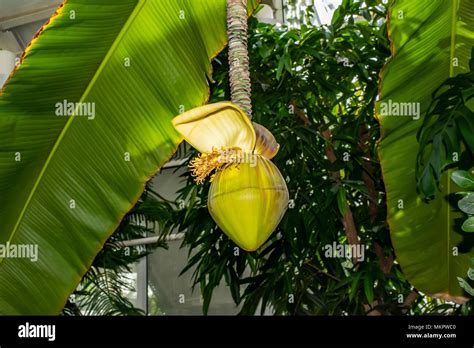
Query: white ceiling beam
[[7, 23], [8, 42]]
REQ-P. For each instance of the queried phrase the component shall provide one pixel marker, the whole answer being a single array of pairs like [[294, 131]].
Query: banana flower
[[248, 195]]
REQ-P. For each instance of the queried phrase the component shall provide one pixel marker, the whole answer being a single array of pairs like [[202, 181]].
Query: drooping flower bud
[[248, 200], [248, 195]]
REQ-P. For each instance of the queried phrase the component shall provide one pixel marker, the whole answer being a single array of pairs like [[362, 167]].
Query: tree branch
[[348, 219]]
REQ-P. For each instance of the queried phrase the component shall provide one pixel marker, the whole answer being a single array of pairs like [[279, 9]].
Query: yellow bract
[[247, 202], [215, 126], [248, 195], [266, 144]]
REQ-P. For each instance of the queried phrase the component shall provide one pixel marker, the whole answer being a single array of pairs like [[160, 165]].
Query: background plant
[[67, 182], [103, 288], [446, 140], [465, 181], [315, 89], [422, 58], [446, 136]]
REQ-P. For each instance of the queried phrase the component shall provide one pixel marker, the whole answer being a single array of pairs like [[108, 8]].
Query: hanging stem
[[239, 75]]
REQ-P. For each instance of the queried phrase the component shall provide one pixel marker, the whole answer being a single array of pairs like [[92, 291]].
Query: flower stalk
[[248, 195], [239, 75]]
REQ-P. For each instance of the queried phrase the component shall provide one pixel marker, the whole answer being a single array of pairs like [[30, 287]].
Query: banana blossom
[[248, 195]]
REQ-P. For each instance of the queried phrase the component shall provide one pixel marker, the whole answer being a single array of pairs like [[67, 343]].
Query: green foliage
[[423, 57], [103, 289], [447, 127], [67, 182], [465, 181], [307, 82], [466, 204], [465, 284]]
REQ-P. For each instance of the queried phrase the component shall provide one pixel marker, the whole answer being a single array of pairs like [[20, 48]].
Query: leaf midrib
[[97, 74]]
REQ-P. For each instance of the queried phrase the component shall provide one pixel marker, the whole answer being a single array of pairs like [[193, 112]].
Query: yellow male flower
[[248, 195]]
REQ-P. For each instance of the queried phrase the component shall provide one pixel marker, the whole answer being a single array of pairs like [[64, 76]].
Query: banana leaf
[[431, 41], [85, 121]]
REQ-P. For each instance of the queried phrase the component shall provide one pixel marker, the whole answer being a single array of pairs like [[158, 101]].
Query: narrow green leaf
[[468, 225], [466, 204], [463, 179], [342, 201], [354, 286], [369, 288], [281, 65], [465, 285]]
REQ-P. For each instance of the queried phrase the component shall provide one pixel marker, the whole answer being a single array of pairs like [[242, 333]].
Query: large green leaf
[[141, 62], [431, 41]]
